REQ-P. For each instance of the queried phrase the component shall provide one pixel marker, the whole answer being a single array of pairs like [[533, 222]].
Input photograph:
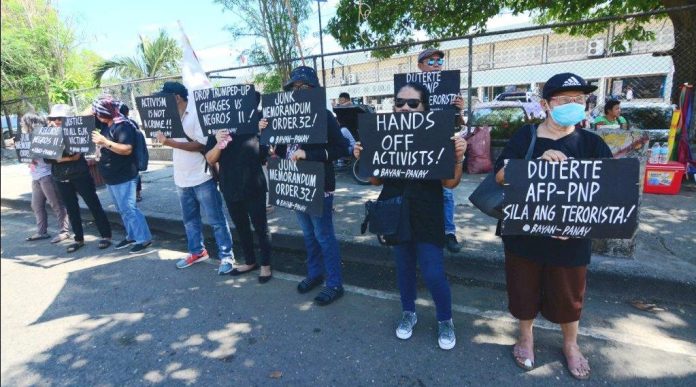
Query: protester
[[323, 256], [118, 167], [139, 186], [196, 189], [612, 118], [425, 247], [432, 60], [243, 185], [546, 274], [344, 99], [72, 177], [43, 189]]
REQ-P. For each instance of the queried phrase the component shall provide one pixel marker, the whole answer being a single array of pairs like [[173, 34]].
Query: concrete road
[[111, 319]]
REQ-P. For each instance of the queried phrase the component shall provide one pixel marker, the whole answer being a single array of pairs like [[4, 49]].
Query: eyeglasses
[[439, 61], [412, 102], [564, 99], [301, 86]]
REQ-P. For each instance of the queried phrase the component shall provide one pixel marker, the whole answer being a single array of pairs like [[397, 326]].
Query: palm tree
[[156, 58]]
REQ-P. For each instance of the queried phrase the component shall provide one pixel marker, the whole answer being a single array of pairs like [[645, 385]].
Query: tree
[[155, 58], [375, 23], [269, 21]]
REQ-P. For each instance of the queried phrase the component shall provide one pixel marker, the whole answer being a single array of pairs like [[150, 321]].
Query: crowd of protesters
[[544, 274]]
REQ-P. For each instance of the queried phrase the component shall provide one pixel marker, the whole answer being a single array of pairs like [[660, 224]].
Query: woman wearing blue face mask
[[546, 274]]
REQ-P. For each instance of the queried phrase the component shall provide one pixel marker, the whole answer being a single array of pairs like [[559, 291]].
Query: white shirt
[[189, 167]]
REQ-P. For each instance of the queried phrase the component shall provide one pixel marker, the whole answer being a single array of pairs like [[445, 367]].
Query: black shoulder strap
[[532, 143]]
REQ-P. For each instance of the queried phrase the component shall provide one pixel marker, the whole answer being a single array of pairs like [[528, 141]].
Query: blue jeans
[[450, 227], [133, 220], [207, 197], [321, 244], [430, 259]]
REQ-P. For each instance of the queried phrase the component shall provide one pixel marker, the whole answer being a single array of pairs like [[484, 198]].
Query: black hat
[[175, 88], [566, 82], [303, 74]]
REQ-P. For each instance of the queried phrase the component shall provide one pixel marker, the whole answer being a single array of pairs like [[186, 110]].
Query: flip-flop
[[527, 363], [583, 362], [37, 237], [104, 243], [75, 246]]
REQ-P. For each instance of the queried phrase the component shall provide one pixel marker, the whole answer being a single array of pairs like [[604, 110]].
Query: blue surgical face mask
[[568, 114]]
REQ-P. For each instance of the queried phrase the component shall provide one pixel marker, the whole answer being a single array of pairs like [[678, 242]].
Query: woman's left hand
[[98, 139], [459, 147]]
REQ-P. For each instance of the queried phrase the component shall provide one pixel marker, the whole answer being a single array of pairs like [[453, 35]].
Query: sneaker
[[138, 247], [60, 237], [191, 259], [226, 266], [406, 324], [452, 243], [328, 295], [445, 334], [123, 244]]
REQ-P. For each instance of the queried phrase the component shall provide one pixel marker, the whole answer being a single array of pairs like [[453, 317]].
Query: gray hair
[[30, 121]]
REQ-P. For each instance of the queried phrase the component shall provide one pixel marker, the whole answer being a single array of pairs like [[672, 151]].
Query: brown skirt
[[555, 291]]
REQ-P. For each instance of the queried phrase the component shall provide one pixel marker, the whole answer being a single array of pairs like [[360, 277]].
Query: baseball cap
[[60, 110], [428, 52], [303, 74], [175, 88], [566, 82]]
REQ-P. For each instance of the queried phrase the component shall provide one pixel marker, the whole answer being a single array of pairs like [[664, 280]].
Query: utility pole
[[321, 44]]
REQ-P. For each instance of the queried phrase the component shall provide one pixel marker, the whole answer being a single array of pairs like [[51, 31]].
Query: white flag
[[192, 74]]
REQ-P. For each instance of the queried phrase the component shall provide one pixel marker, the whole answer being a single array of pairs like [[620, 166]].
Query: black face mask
[[100, 125]]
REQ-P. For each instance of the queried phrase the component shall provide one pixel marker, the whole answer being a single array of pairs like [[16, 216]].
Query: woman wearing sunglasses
[[425, 247]]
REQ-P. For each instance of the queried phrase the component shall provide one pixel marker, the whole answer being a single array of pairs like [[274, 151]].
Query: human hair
[[30, 121], [124, 109], [610, 105], [422, 90], [344, 95]]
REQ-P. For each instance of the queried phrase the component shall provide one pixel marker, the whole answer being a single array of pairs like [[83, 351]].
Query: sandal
[[75, 246], [328, 295], [37, 237], [581, 365], [523, 358], [104, 243]]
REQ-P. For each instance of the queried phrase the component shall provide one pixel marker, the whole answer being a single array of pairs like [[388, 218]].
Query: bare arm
[[213, 155], [190, 146], [459, 149], [118, 148]]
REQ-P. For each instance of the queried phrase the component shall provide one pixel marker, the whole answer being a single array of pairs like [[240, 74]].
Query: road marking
[[662, 343]]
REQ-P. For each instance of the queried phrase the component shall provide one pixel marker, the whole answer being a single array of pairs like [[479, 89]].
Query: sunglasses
[[301, 86], [432, 61], [412, 102]]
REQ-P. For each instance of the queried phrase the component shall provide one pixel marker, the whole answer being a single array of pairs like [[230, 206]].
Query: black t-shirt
[[425, 205], [580, 144], [241, 175], [70, 169], [115, 168]]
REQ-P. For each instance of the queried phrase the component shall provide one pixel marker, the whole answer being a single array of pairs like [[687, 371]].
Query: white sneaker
[[405, 328], [445, 334]]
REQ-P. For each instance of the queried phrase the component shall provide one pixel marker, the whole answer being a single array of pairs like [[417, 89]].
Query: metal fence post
[[469, 78]]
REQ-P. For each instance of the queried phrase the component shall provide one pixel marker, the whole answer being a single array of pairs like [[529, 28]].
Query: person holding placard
[[44, 190], [118, 166], [323, 256], [547, 274], [427, 239], [432, 60], [195, 187], [243, 185], [72, 177]]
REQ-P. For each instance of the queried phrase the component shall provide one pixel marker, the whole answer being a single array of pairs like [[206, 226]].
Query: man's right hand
[[221, 135], [161, 138], [357, 149], [263, 123]]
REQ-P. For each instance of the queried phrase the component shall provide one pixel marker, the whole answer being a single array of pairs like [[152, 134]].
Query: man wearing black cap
[[323, 256], [196, 188], [432, 60]]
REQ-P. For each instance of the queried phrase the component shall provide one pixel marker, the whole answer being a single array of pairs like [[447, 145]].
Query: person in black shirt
[[323, 256], [426, 217], [547, 274]]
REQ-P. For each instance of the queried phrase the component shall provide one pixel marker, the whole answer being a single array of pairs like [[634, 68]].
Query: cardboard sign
[[47, 142], [573, 198], [228, 107], [77, 133], [23, 147], [443, 86], [159, 113], [297, 185], [415, 145], [295, 117]]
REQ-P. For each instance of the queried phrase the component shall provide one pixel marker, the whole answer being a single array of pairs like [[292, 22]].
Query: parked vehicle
[[651, 117], [521, 96], [505, 117]]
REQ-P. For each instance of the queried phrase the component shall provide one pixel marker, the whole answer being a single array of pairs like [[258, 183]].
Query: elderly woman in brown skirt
[[546, 274]]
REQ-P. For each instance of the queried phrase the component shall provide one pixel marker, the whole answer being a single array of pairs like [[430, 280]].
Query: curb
[[481, 267]]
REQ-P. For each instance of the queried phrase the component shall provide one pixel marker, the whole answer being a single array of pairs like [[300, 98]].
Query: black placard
[[77, 133], [415, 145], [573, 198], [228, 107], [297, 185], [159, 113], [443, 86], [23, 147], [295, 117], [47, 142]]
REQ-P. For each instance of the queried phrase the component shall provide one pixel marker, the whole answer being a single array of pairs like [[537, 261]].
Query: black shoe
[[328, 295], [265, 278], [452, 244], [308, 284], [123, 244], [138, 247]]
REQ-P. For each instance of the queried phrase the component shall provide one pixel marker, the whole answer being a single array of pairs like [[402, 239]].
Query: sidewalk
[[665, 246]]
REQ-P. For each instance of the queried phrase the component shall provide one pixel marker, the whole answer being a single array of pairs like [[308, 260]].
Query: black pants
[[253, 209], [84, 186]]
